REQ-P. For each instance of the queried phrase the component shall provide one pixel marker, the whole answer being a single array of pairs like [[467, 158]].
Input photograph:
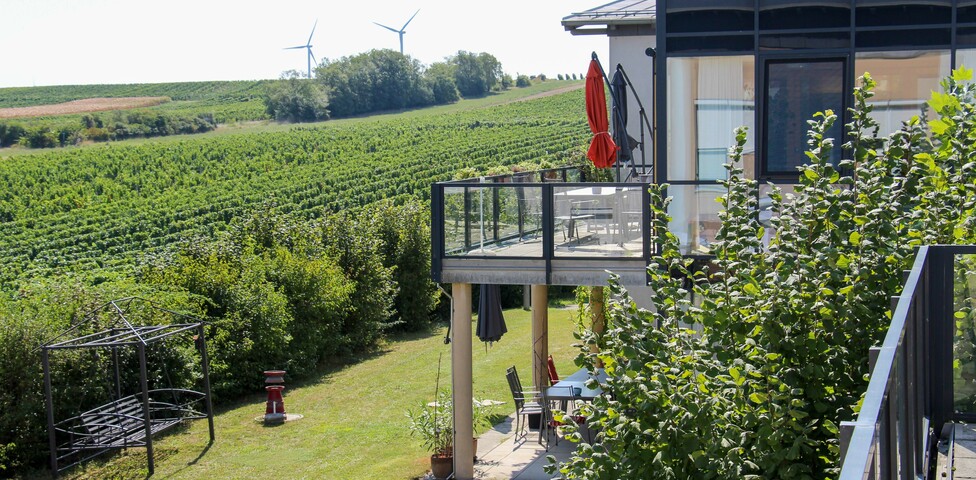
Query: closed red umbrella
[[602, 150]]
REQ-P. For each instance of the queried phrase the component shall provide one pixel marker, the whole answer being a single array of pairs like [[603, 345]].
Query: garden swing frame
[[128, 421]]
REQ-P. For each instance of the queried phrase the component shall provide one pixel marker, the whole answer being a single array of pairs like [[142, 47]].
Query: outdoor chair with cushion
[[526, 403], [553, 376]]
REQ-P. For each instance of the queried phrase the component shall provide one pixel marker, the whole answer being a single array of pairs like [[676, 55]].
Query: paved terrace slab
[[501, 457]]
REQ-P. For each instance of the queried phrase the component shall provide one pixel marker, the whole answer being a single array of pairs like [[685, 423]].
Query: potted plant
[[432, 424]]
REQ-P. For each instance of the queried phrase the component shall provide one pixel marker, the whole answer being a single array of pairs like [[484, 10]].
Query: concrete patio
[[500, 457]]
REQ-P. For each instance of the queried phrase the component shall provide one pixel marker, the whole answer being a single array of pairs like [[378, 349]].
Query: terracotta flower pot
[[441, 465]]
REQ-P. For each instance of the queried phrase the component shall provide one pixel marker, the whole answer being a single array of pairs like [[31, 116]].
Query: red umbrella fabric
[[602, 152]]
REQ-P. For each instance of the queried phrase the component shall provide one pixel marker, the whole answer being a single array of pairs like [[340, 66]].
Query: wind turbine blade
[[293, 48], [388, 28], [313, 32], [408, 21], [314, 61]]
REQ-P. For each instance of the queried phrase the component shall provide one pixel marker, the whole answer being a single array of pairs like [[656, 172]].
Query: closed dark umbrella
[[618, 93], [491, 322], [602, 150]]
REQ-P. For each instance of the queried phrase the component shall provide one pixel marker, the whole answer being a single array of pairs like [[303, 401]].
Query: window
[[794, 91], [709, 98], [905, 82]]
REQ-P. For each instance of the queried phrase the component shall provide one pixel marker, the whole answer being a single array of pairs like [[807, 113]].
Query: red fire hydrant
[[275, 412]]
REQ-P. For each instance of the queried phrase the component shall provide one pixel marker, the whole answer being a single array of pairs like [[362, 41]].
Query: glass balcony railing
[[539, 217]]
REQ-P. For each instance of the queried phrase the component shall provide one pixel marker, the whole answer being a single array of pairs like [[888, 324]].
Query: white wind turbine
[[402, 30], [308, 46]]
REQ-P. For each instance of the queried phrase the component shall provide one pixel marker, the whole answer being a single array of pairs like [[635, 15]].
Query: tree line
[[383, 80]]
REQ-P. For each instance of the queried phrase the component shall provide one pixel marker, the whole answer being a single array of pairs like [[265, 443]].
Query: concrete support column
[[462, 381], [540, 335]]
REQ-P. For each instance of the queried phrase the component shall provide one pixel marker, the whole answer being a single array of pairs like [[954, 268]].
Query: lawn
[[355, 424]]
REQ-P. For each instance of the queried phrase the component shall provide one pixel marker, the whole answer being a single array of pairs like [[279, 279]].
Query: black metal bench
[[121, 423]]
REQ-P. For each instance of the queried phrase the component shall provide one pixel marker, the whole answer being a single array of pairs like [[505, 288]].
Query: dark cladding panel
[[704, 16], [966, 12], [800, 41], [793, 14], [884, 13], [876, 39], [713, 44]]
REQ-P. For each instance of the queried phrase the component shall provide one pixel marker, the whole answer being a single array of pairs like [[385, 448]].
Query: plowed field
[[82, 106]]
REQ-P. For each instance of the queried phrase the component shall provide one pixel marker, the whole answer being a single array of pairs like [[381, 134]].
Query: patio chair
[[525, 404], [577, 213], [553, 376]]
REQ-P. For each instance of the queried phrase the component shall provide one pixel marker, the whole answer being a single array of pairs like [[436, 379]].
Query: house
[[769, 65], [701, 68]]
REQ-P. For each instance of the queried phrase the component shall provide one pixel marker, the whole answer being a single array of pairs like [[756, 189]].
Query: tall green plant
[[785, 326]]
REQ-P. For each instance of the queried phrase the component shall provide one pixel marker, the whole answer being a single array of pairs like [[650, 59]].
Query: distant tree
[[296, 99], [574, 76], [440, 78], [476, 74], [559, 77], [507, 81], [39, 137], [541, 77], [10, 133], [523, 81], [372, 81]]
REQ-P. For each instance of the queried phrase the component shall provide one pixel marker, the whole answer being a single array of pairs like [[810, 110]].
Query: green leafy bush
[[296, 99], [778, 353]]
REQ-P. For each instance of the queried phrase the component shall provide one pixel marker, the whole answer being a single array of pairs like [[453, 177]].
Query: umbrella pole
[[613, 106], [643, 113]]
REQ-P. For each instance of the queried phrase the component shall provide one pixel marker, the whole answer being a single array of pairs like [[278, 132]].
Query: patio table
[[560, 391]]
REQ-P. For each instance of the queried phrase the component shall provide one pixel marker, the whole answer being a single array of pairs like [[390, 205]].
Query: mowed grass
[[355, 425]]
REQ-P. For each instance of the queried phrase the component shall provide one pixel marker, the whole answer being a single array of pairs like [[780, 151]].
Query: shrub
[[10, 134], [404, 234], [295, 99], [39, 137], [523, 81], [784, 328]]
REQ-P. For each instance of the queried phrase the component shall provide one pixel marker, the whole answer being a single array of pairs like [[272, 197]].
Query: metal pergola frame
[[127, 421]]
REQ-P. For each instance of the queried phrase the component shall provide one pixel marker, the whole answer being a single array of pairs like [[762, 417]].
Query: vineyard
[[103, 208]]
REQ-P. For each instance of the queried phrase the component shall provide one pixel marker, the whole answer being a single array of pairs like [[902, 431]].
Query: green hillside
[[103, 207]]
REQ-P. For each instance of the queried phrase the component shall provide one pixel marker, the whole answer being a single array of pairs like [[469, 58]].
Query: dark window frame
[[763, 60]]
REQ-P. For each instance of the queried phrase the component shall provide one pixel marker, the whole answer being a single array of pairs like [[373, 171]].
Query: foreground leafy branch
[[751, 378]]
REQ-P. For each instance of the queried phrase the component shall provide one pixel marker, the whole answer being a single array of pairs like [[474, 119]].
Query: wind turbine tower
[[402, 30], [308, 46]]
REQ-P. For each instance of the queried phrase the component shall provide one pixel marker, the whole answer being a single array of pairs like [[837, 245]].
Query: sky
[[72, 42]]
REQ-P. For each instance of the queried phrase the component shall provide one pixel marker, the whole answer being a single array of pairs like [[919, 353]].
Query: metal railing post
[[49, 403]]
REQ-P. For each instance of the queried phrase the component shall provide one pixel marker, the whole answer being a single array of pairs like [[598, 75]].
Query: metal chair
[[525, 404]]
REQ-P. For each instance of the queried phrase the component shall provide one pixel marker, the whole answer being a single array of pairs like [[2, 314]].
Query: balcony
[[540, 228], [913, 417]]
